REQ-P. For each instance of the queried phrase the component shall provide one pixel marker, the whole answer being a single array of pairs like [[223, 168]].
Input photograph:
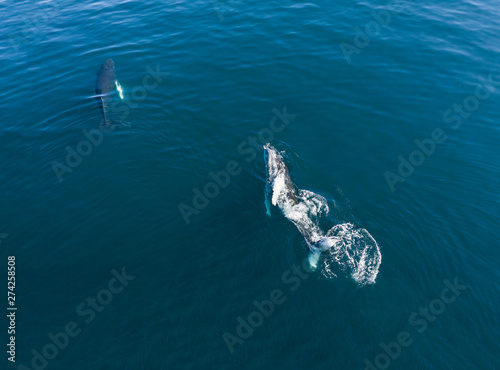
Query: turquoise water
[[397, 130]]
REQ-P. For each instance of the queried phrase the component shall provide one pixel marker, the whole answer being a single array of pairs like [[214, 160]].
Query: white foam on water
[[348, 249], [356, 253]]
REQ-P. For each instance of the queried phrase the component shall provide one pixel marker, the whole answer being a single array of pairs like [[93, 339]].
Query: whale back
[[283, 190], [106, 78]]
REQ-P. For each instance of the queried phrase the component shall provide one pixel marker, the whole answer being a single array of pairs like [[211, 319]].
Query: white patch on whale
[[119, 88]]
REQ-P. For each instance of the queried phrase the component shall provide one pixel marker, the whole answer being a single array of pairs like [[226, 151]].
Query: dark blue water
[[388, 111]]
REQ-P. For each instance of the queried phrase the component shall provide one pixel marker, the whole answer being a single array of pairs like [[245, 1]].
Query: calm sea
[[149, 246]]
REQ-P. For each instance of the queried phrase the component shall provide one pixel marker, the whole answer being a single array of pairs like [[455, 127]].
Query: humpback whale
[[352, 250], [106, 87], [285, 196]]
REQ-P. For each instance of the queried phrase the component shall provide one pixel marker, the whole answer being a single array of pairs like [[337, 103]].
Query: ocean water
[[387, 111]]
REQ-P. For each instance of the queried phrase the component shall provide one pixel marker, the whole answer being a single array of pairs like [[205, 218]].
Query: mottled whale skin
[[283, 194], [278, 171], [105, 87]]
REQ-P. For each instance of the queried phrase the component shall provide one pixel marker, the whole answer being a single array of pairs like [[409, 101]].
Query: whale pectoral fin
[[313, 259], [268, 208], [267, 200]]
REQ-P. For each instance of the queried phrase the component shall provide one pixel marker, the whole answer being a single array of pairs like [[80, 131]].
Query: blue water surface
[[388, 110]]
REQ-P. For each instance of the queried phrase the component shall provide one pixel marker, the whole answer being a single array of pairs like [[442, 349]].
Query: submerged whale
[[352, 250], [106, 88]]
